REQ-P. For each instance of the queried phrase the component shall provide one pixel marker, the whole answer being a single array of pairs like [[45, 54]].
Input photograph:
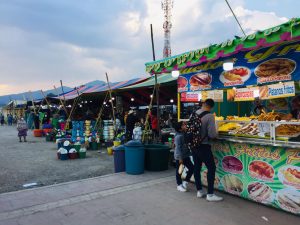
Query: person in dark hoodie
[[130, 123], [182, 156]]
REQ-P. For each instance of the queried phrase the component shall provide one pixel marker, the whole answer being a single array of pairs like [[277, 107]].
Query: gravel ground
[[35, 161]]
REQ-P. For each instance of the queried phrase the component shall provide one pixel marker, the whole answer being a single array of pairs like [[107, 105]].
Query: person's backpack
[[193, 133]]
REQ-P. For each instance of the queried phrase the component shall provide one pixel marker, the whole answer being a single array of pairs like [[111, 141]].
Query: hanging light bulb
[[175, 73], [171, 100], [113, 98], [151, 96], [132, 99], [228, 65]]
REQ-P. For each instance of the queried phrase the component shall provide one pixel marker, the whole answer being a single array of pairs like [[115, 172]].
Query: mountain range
[[38, 95]]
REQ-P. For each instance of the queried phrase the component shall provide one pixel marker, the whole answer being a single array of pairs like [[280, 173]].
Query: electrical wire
[[235, 18]]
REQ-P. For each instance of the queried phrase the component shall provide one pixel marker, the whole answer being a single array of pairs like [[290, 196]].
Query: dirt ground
[[35, 161]]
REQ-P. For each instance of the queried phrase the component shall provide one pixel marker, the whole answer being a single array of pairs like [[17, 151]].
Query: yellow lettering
[[252, 57], [293, 155], [286, 49]]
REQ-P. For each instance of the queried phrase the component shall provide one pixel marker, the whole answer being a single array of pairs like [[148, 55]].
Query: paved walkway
[[123, 199]]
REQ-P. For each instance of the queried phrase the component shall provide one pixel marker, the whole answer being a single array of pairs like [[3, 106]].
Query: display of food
[[275, 67], [236, 74], [289, 200], [249, 129], [204, 179], [229, 127], [261, 170], [232, 164], [260, 192], [237, 118], [271, 116], [200, 79], [232, 184], [288, 130], [182, 82], [219, 118], [290, 175]]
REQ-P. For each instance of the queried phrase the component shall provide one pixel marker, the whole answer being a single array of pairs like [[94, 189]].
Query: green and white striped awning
[[161, 79]]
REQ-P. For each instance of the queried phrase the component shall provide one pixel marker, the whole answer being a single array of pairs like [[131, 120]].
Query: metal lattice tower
[[167, 6]]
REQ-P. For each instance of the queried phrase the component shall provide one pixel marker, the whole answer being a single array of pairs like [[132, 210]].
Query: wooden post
[[111, 101], [61, 102]]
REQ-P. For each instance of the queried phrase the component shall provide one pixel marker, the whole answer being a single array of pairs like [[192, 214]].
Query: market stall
[[257, 111]]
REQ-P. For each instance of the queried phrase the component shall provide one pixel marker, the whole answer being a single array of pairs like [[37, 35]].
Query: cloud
[[253, 20], [42, 42]]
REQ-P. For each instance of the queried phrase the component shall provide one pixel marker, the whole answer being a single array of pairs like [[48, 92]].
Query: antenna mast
[[167, 6]]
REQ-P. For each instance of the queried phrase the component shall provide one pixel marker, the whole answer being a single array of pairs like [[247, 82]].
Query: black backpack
[[193, 133]]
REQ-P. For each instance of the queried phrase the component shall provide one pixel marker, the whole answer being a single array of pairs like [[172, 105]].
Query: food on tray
[[289, 200], [251, 129], [261, 170], [290, 175], [229, 127], [219, 118], [182, 82], [232, 184], [237, 118], [200, 79], [287, 130], [232, 164], [275, 67], [236, 74], [204, 179], [259, 191], [271, 116]]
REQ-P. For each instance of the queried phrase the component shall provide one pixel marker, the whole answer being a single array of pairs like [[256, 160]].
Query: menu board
[[242, 94], [265, 174], [280, 90], [216, 95], [260, 66]]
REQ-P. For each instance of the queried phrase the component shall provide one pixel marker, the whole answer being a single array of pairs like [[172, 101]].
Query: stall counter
[[262, 173]]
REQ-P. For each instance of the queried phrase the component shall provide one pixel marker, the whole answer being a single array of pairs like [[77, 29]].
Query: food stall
[[258, 151]]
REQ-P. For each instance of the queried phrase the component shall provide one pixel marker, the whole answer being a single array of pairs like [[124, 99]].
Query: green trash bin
[[93, 145], [134, 157], [77, 147], [157, 157]]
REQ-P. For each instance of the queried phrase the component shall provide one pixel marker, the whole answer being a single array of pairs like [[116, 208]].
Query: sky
[[45, 41]]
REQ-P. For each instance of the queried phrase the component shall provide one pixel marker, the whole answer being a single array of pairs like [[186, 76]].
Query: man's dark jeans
[[204, 155]]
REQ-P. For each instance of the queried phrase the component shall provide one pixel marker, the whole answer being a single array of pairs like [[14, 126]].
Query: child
[[22, 129], [182, 156]]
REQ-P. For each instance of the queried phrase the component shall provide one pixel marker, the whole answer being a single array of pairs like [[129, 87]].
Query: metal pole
[[156, 87]]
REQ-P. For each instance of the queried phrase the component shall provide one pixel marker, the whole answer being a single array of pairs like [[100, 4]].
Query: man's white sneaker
[[200, 194], [213, 198], [185, 184], [181, 188]]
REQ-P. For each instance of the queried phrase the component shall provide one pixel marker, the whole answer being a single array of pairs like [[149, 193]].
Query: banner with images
[[263, 66], [265, 174], [196, 96]]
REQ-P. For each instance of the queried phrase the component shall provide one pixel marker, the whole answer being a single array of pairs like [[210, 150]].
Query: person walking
[[22, 129], [2, 119], [182, 156], [205, 131]]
